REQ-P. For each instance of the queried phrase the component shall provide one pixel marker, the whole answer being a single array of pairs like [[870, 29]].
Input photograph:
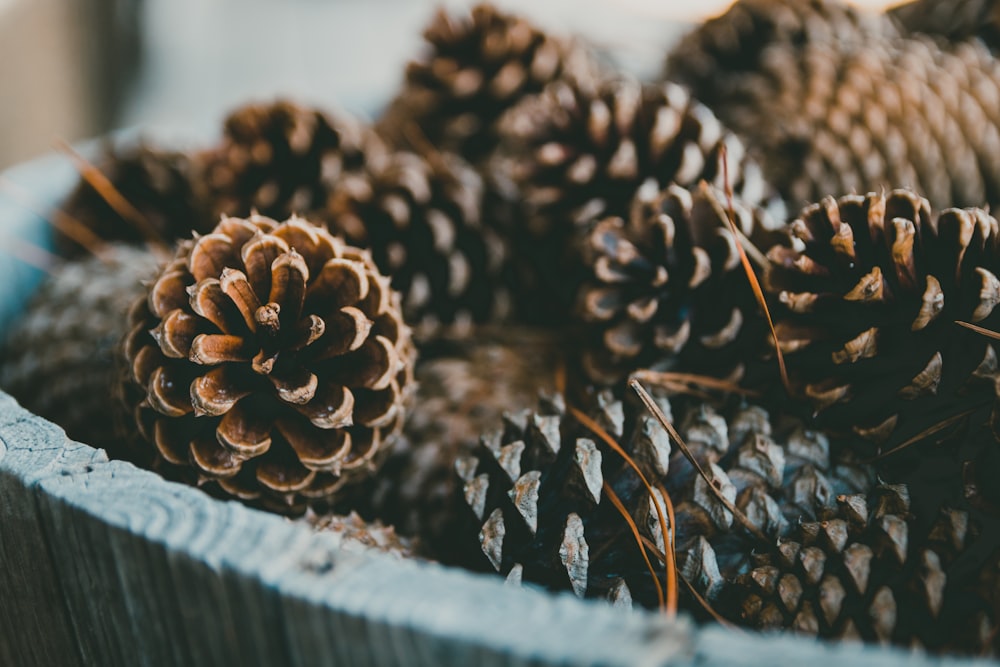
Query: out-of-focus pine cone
[[270, 362], [837, 116], [464, 386], [666, 287], [866, 297], [352, 530], [58, 359], [863, 572], [423, 221], [953, 20], [722, 59], [281, 159], [477, 67], [577, 153], [163, 187]]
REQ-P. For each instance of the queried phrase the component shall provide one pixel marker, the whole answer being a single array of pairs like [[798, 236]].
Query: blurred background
[[70, 69]]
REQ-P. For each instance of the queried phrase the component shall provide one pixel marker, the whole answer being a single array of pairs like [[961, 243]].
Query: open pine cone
[[954, 20], [270, 362], [422, 219], [666, 286], [478, 66], [281, 159], [866, 299]]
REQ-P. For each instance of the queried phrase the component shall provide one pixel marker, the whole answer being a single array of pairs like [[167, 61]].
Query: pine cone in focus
[[353, 530], [666, 285], [422, 219], [478, 66], [163, 186], [282, 159], [866, 298], [861, 572], [58, 359], [270, 363], [577, 153], [464, 385], [954, 20]]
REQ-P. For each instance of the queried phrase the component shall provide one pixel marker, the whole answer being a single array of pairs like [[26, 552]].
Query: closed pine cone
[[281, 159], [163, 186], [953, 20], [722, 60], [863, 572], [866, 298], [354, 531], [477, 67], [423, 221], [831, 117], [58, 359], [666, 286], [269, 362]]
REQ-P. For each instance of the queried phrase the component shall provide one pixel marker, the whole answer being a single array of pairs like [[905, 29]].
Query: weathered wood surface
[[105, 564]]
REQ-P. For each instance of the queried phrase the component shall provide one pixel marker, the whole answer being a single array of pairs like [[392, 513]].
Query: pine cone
[[953, 20], [423, 221], [866, 298], [579, 152], [478, 66], [874, 112], [270, 363], [722, 59], [862, 573], [667, 285], [353, 530], [58, 358], [281, 159], [538, 488], [460, 395], [163, 186]]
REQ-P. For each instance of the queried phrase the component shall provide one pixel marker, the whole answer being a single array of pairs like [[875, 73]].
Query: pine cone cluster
[[477, 67], [270, 362], [666, 287], [423, 221]]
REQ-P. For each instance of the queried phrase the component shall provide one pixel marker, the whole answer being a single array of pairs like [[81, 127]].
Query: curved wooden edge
[[107, 564], [144, 571]]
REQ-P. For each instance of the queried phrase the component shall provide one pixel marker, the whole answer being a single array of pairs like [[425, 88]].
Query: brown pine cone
[[423, 221], [577, 153], [58, 359], [866, 297], [953, 20], [722, 59], [862, 572], [877, 111], [163, 186], [281, 159], [477, 67], [270, 363], [666, 287]]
